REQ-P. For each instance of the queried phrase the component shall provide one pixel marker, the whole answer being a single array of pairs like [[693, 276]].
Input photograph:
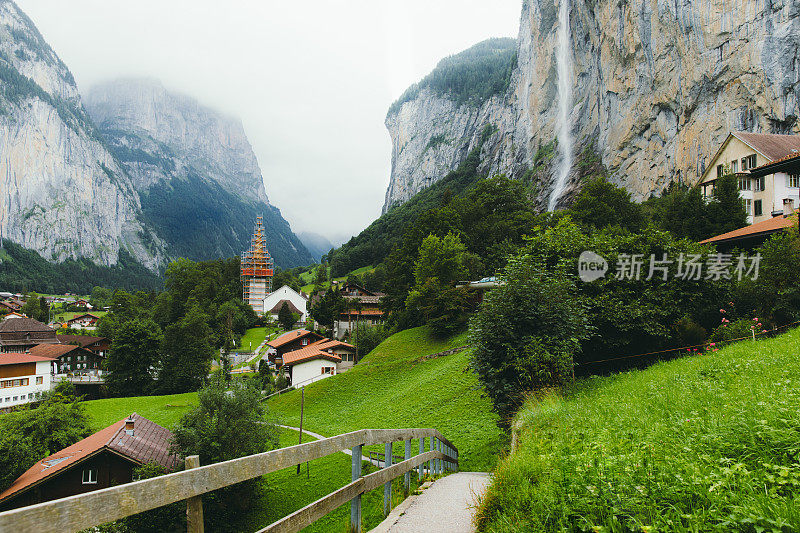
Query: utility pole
[[302, 402]]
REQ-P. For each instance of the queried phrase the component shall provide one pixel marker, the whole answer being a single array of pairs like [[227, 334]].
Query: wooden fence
[[83, 511]]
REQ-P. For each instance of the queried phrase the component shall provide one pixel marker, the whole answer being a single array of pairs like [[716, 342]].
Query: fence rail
[[83, 511]]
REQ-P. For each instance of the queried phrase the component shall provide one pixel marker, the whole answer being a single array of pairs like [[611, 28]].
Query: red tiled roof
[[149, 443], [78, 317], [20, 358], [290, 336], [771, 225], [370, 312], [307, 354], [328, 344], [772, 145]]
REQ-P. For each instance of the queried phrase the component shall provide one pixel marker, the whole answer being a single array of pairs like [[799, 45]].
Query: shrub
[[526, 333]]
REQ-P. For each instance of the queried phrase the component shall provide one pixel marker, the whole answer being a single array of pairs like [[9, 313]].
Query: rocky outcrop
[[61, 192], [160, 134], [658, 84], [197, 176]]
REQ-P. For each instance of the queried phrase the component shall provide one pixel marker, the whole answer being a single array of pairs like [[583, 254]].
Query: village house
[[296, 301], [23, 378], [84, 321], [290, 341], [102, 460], [769, 182], [69, 358], [21, 334], [13, 314], [345, 352], [308, 365], [83, 304], [98, 345], [363, 308]]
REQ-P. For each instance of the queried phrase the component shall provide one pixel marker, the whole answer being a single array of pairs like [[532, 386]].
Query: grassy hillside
[[698, 444], [392, 388], [308, 277], [163, 410]]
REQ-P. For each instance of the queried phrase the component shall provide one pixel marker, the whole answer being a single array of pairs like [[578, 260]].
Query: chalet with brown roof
[[290, 341], [363, 308], [99, 461], [98, 345], [69, 358], [767, 170], [21, 334]]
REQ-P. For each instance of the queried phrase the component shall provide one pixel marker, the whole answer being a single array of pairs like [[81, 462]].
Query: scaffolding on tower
[[256, 270]]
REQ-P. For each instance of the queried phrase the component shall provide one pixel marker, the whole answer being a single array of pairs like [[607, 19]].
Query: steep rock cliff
[[658, 84], [62, 193], [198, 178]]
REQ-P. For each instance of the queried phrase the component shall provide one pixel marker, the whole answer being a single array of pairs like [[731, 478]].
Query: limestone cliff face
[[197, 177], [431, 135], [140, 117], [61, 192], [658, 84]]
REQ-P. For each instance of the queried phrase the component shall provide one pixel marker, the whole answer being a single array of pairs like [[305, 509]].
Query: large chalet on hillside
[[363, 307], [767, 168]]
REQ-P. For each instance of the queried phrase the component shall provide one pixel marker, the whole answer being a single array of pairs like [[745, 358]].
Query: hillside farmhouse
[[69, 358], [104, 459], [363, 307], [767, 170], [296, 301]]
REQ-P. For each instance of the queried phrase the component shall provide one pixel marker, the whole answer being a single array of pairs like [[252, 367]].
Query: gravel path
[[447, 506]]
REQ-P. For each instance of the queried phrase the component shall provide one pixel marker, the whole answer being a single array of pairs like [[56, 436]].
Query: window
[[751, 161], [793, 180], [720, 171], [734, 166], [305, 342], [39, 380], [327, 370], [759, 184], [747, 206], [757, 211], [90, 476], [744, 183], [744, 164]]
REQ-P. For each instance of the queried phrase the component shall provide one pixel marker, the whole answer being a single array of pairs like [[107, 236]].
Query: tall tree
[[285, 317], [132, 360], [187, 351]]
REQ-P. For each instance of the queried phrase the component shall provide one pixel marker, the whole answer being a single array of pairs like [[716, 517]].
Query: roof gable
[[24, 324], [148, 444], [291, 336], [306, 354]]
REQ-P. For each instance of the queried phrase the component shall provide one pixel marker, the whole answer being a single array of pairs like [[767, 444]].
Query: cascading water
[[564, 125]]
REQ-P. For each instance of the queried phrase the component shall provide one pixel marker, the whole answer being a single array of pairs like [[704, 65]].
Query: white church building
[[297, 302]]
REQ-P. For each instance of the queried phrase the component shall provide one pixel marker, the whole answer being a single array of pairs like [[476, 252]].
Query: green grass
[[322, 477], [706, 443], [391, 388], [251, 339], [163, 410], [63, 317]]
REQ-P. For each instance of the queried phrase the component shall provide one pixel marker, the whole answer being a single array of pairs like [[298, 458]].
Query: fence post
[[430, 463], [194, 505], [355, 503], [421, 465], [408, 474], [387, 488]]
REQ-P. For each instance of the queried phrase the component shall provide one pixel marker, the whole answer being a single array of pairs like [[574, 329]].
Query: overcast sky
[[311, 80]]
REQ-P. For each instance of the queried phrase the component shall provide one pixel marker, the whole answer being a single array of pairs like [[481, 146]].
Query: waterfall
[[564, 124]]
